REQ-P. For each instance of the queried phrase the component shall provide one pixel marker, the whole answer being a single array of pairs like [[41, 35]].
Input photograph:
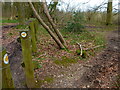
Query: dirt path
[[15, 55], [99, 72], [15, 63]]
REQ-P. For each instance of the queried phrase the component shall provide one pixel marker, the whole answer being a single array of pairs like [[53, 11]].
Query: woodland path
[[99, 71]]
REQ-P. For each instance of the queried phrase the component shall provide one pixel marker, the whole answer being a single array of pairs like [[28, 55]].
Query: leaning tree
[[59, 38]]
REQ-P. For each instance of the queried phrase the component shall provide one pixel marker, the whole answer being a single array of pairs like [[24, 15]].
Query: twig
[[93, 47], [80, 46], [89, 66], [42, 55]]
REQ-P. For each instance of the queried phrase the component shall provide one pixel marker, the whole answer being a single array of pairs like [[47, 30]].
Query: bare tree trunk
[[46, 27], [20, 11], [109, 13], [53, 24]]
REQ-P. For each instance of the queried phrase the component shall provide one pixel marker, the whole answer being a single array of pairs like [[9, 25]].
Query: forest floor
[[97, 71]]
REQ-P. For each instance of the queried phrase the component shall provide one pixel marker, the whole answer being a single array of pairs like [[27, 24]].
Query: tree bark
[[109, 13], [53, 25], [45, 26], [20, 11]]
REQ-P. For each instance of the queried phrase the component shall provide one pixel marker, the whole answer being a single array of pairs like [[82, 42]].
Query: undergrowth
[[8, 21], [116, 84], [76, 23]]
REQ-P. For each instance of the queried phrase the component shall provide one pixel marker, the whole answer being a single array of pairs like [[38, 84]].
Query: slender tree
[[21, 12], [6, 8], [109, 13], [53, 24], [45, 26]]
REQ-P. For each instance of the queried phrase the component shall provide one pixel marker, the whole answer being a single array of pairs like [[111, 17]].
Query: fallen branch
[[93, 47], [80, 46], [81, 49]]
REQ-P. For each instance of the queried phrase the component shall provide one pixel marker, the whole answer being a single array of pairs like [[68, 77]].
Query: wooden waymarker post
[[5, 73], [33, 37], [27, 58], [36, 24]]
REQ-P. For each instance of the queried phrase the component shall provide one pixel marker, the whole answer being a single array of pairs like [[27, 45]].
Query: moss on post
[[27, 57], [33, 37], [36, 23], [7, 81]]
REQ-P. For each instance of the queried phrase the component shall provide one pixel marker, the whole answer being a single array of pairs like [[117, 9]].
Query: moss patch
[[47, 79], [116, 84], [65, 61], [8, 21]]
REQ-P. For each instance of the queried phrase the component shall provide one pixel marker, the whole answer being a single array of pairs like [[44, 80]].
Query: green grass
[[48, 79], [22, 27], [99, 40], [65, 61], [93, 37], [12, 21], [36, 65], [8, 21], [87, 36], [102, 26], [79, 37], [116, 84], [10, 34], [82, 37], [42, 31], [96, 38]]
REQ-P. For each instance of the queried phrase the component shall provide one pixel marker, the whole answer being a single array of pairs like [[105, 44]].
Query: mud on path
[[98, 72]]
